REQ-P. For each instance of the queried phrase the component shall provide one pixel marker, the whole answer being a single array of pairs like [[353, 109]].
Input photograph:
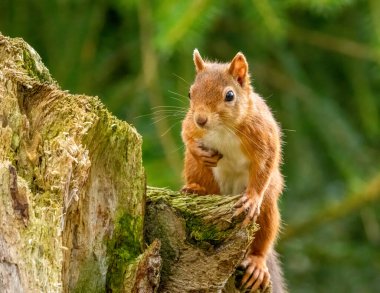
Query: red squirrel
[[233, 146]]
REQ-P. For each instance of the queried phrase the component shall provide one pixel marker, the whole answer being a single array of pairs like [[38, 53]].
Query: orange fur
[[237, 150]]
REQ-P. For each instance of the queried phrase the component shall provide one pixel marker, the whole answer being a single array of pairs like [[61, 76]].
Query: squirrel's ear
[[239, 69], [198, 61]]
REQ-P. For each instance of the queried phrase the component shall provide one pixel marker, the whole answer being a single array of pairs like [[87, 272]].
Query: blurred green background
[[317, 63]]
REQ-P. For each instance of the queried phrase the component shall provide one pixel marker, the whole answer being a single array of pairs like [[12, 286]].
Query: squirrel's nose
[[201, 120]]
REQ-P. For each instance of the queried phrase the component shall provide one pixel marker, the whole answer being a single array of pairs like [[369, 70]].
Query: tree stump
[[75, 213]]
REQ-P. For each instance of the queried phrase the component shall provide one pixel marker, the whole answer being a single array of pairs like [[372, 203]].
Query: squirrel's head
[[220, 94]]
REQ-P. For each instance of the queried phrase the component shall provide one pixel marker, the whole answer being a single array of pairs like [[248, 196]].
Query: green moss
[[29, 64], [200, 231], [196, 210], [123, 249], [155, 228], [89, 278]]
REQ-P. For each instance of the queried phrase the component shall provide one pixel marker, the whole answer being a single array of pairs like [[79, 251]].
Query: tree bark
[[73, 199]]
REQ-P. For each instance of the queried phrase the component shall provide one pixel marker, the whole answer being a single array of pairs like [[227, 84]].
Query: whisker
[[176, 99], [169, 107], [238, 131], [159, 120], [177, 149], [254, 142], [145, 115], [176, 116], [170, 128], [181, 78], [173, 111], [165, 111], [231, 131], [178, 94], [168, 114]]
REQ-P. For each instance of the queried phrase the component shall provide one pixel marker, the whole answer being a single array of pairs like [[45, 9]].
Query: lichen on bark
[[80, 169], [202, 245], [73, 199]]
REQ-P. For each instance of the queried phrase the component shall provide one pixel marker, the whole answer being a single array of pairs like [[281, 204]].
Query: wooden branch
[[201, 245]]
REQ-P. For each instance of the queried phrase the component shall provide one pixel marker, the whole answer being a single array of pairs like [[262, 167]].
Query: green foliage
[[316, 62]]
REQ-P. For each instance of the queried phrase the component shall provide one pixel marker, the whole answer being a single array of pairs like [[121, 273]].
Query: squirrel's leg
[[199, 179], [256, 271]]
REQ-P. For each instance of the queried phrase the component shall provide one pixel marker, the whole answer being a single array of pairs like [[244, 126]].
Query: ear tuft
[[239, 69], [198, 61]]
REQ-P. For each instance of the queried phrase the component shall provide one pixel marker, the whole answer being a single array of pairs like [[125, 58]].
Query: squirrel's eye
[[189, 95], [229, 96]]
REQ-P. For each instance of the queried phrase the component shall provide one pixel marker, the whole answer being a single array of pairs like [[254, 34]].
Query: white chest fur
[[231, 173]]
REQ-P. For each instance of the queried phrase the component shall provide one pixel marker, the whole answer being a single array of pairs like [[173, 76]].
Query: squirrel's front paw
[[208, 157], [256, 273], [194, 188], [250, 205]]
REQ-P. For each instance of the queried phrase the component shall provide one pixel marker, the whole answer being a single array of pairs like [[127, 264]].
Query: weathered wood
[[73, 199], [71, 180], [202, 245]]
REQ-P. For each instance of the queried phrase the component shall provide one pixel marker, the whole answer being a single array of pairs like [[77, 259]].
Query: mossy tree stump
[[73, 199]]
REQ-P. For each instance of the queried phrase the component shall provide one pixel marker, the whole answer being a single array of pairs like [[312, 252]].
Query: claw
[[247, 276], [256, 274], [253, 213], [241, 201], [258, 282], [209, 157], [266, 282], [253, 278], [238, 212], [250, 205], [194, 188], [210, 161]]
